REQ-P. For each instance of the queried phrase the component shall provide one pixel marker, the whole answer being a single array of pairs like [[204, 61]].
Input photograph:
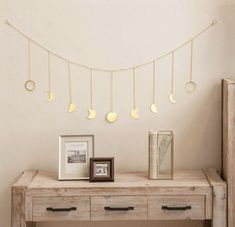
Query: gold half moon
[[50, 96], [190, 86], [91, 114], [71, 107], [112, 117], [171, 98], [30, 85], [135, 114], [153, 108]]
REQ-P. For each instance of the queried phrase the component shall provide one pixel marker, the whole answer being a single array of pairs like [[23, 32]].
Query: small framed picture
[[101, 169], [75, 152]]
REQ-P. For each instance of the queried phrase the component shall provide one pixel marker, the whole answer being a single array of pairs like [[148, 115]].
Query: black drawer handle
[[119, 208], [61, 209], [176, 208]]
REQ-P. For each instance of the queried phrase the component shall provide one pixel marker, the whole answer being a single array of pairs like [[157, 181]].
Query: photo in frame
[[75, 152], [101, 169]]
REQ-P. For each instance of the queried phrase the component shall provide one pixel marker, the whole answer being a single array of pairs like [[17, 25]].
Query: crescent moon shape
[[91, 114], [153, 108], [50, 96], [171, 98], [111, 117], [71, 107], [135, 114], [190, 86]]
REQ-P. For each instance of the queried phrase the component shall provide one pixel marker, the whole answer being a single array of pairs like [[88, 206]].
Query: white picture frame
[[75, 152]]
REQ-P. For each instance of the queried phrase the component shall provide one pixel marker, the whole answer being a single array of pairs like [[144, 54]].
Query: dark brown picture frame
[[102, 178]]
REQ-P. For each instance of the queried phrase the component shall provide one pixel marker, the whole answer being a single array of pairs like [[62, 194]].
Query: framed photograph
[[101, 169], [75, 152]]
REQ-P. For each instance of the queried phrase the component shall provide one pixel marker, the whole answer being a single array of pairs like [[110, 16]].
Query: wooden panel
[[229, 146], [164, 207], [98, 204], [219, 202], [40, 205]]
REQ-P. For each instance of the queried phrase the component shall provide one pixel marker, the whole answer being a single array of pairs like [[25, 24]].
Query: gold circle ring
[[30, 85]]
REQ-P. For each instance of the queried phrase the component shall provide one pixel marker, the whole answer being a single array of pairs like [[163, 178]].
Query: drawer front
[[61, 208], [118, 208], [176, 207]]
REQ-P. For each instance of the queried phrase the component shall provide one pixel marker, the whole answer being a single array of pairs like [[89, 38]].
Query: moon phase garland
[[190, 86]]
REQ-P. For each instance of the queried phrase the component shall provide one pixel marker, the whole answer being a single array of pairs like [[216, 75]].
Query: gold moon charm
[[111, 117], [30, 85], [135, 114], [171, 98], [50, 96], [190, 86], [153, 108], [91, 114], [71, 107]]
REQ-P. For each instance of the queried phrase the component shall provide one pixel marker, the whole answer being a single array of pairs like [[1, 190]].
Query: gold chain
[[29, 60], [191, 61], [91, 88], [49, 70], [154, 82], [70, 82], [134, 89], [111, 91], [109, 70], [172, 71]]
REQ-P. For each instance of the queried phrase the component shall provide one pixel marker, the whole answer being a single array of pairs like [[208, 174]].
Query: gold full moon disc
[[30, 85], [91, 114], [71, 107], [190, 86], [50, 96], [172, 99], [135, 114], [153, 108], [111, 117]]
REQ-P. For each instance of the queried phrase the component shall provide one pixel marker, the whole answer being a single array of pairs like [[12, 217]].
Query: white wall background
[[111, 34]]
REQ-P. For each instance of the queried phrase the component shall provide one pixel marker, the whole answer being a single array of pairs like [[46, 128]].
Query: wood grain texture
[[219, 201], [197, 204], [38, 190], [139, 203], [229, 145], [40, 205]]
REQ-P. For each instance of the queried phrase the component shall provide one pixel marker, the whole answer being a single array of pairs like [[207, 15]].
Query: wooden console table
[[197, 195]]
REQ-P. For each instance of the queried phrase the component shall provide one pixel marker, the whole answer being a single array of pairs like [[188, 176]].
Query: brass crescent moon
[[50, 96], [91, 114], [171, 98], [71, 107], [135, 114]]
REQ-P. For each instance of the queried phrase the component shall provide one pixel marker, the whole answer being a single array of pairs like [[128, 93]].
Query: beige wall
[[111, 34]]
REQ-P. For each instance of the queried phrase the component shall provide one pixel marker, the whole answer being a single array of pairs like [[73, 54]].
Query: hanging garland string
[[135, 110], [153, 106], [172, 93], [29, 85], [91, 111], [111, 116], [71, 104], [50, 94], [109, 70]]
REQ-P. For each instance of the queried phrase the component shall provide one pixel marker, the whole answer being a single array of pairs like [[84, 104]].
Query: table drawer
[[61, 208], [118, 208], [176, 207]]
